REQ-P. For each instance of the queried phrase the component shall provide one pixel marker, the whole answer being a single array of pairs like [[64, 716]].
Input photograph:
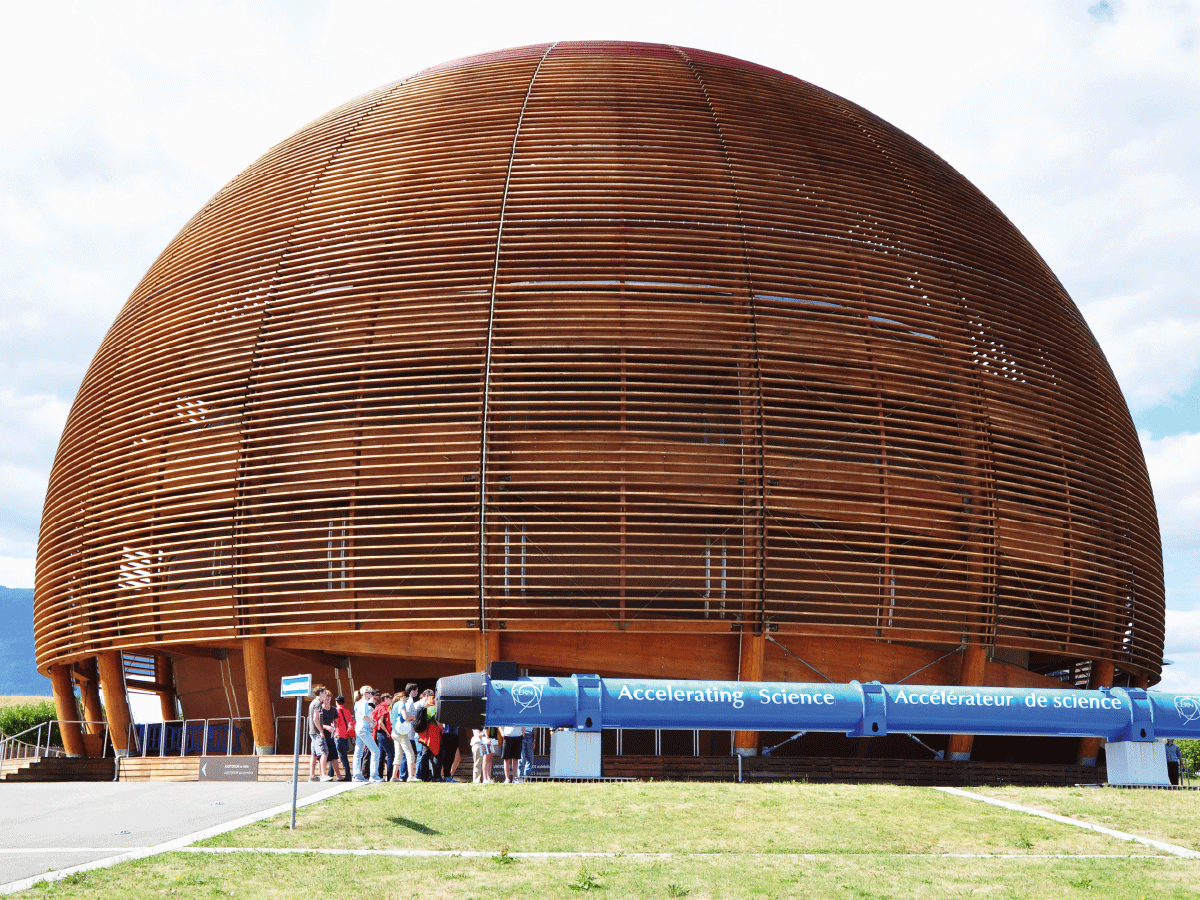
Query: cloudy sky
[[1079, 119]]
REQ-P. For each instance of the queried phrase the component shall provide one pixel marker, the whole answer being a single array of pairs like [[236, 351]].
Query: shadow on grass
[[413, 826]]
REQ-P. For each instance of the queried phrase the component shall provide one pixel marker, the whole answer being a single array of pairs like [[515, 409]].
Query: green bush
[[16, 719]]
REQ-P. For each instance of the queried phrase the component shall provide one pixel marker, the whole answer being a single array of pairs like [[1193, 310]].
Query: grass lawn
[[1172, 816], [724, 841], [247, 875], [640, 817]]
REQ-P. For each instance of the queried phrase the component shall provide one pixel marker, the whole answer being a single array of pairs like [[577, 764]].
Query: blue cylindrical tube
[[590, 702]]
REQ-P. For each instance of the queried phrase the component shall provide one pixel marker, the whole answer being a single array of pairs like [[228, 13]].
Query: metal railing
[[15, 748], [287, 736], [190, 737], [36, 746], [677, 740]]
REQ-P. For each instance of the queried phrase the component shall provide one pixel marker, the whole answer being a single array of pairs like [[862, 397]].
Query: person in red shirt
[[381, 730], [345, 735], [428, 766]]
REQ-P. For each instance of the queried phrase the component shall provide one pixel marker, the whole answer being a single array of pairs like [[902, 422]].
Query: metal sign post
[[298, 686]]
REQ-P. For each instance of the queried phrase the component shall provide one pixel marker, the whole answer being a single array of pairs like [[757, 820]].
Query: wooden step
[[61, 768], [13, 766]]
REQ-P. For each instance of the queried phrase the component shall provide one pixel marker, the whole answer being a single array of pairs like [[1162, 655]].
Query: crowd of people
[[398, 738]]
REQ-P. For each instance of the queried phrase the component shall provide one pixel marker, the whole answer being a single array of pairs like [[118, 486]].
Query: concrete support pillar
[[67, 710], [1089, 747], [116, 703], [487, 648], [753, 650], [164, 673], [973, 665], [258, 690], [89, 691]]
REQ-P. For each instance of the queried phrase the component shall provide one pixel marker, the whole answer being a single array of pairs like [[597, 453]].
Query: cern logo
[[528, 697], [1188, 707]]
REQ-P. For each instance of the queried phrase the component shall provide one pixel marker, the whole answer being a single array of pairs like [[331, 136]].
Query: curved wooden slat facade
[[601, 339]]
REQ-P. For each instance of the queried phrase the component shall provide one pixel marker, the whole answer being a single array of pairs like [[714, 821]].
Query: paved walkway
[[51, 827]]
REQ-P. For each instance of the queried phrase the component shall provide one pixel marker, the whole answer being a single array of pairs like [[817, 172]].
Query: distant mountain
[[18, 674]]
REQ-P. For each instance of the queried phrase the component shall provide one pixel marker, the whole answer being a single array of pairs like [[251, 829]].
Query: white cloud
[[1174, 466], [1183, 649], [25, 492], [1153, 349], [29, 431], [16, 573], [1183, 633]]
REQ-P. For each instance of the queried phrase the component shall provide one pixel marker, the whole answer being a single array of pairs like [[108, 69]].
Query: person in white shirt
[[404, 710], [363, 741]]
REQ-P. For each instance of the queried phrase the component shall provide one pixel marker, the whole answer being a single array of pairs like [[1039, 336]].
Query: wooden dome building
[[598, 357]]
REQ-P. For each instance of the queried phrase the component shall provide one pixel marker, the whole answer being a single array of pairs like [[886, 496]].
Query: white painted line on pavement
[[1173, 849], [11, 851]]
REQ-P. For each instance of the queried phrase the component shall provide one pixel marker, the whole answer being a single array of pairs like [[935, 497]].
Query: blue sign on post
[[296, 686]]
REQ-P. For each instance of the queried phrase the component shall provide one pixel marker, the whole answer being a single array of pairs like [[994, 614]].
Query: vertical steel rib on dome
[[487, 362], [602, 338], [760, 442]]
